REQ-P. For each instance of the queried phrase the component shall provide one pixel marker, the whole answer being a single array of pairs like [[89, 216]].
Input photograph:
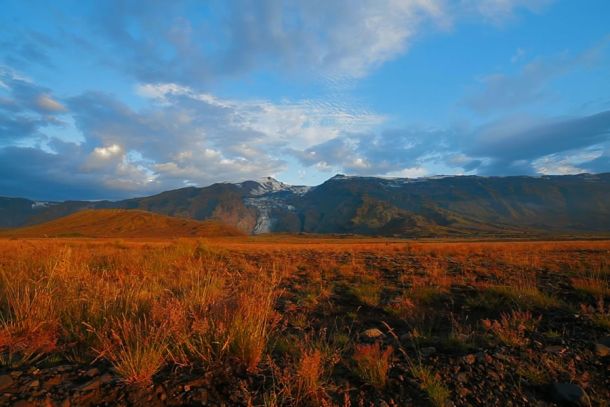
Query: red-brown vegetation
[[301, 321]]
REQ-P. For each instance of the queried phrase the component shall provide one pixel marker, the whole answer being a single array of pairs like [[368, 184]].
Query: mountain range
[[421, 207]]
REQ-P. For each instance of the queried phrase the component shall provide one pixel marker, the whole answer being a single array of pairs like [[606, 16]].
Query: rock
[[569, 394], [470, 359], [372, 333], [602, 350], [428, 351], [35, 383], [6, 381], [554, 349], [462, 377]]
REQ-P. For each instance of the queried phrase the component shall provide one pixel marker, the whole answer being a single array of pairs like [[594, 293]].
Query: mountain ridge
[[410, 207]]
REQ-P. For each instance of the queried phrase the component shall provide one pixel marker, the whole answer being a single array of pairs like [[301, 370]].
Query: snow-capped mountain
[[446, 205]]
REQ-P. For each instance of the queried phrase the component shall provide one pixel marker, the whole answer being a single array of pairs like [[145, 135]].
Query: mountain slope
[[123, 223], [436, 206]]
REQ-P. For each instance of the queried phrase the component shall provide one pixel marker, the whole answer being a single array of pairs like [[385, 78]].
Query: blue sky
[[116, 99]]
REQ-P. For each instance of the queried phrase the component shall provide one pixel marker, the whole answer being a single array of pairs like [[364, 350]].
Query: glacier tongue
[[268, 195]]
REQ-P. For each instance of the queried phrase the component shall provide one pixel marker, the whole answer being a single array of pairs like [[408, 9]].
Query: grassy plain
[[292, 320]]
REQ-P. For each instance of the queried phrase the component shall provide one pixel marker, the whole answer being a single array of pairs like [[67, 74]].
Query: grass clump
[[598, 314], [372, 363], [367, 292], [512, 329], [29, 327], [430, 382], [136, 348]]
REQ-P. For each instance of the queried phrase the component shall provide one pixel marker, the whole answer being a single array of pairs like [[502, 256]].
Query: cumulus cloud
[[180, 137]]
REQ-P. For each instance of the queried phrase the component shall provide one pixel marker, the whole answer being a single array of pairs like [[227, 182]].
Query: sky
[[118, 98]]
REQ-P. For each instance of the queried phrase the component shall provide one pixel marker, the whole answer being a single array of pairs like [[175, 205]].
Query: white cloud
[[188, 137], [326, 38], [107, 152]]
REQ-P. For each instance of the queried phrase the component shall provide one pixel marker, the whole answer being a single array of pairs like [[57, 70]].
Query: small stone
[[470, 359], [372, 333], [35, 383], [554, 349], [428, 351], [6, 381], [569, 393], [602, 350], [462, 377], [16, 374]]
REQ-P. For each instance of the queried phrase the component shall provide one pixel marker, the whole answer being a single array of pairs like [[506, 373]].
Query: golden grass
[[372, 363], [512, 329], [144, 305]]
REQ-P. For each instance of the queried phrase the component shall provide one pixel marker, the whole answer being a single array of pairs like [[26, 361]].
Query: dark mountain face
[[438, 206]]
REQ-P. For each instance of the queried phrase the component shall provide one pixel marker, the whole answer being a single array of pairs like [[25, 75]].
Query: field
[[301, 321]]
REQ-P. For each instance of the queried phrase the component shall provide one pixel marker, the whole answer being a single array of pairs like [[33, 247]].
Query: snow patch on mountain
[[269, 185], [40, 204]]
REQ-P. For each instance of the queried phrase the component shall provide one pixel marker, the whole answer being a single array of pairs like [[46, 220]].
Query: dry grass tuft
[[512, 329], [137, 349], [431, 384], [372, 363]]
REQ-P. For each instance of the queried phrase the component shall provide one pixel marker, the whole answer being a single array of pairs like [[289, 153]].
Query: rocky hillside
[[436, 206]]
